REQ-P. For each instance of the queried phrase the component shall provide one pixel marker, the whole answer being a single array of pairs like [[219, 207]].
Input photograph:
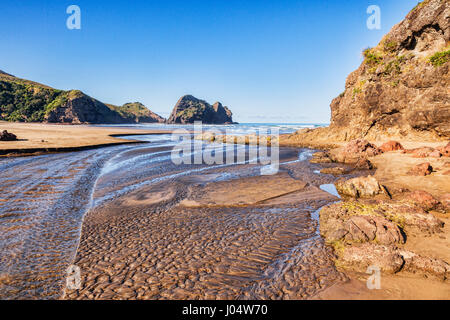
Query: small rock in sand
[[391, 146], [7, 136], [422, 169], [363, 164], [334, 171]]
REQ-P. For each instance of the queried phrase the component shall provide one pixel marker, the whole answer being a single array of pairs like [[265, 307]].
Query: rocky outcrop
[[401, 88], [372, 233], [360, 187], [424, 200], [223, 114], [7, 136], [190, 109], [78, 108], [354, 152], [138, 113], [391, 259]]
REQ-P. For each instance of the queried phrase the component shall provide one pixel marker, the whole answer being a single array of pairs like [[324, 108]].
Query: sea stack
[[190, 109]]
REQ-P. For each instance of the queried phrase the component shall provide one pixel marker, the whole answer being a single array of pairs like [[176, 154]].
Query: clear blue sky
[[269, 61]]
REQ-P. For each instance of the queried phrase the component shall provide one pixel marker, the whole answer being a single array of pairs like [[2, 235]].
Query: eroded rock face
[[371, 233], [408, 216], [419, 264], [190, 109], [80, 108], [360, 187], [7, 136], [360, 257], [397, 92], [391, 259]]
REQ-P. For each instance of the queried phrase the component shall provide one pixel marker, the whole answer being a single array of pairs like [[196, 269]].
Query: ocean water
[[235, 129]]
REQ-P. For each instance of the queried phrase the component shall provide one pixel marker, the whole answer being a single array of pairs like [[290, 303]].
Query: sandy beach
[[43, 138]]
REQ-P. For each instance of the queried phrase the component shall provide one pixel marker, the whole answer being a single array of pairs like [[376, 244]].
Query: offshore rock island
[[190, 109]]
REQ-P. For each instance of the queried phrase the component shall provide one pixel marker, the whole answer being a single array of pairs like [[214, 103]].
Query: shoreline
[[40, 138]]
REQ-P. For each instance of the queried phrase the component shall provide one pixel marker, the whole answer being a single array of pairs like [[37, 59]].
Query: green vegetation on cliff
[[440, 58], [27, 101], [136, 112]]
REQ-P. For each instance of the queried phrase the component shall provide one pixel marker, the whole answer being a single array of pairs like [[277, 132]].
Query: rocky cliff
[[28, 101], [189, 109], [137, 112], [402, 87]]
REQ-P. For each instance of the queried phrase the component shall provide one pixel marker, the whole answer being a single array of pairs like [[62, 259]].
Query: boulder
[[422, 169], [408, 216], [425, 265], [7, 136], [391, 146], [354, 151], [360, 187], [391, 259], [340, 222], [364, 164], [360, 257], [424, 200]]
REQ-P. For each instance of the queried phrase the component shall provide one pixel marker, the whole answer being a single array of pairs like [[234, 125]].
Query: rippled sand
[[141, 241]]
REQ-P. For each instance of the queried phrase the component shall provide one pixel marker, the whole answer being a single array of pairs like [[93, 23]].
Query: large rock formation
[[402, 87], [28, 101], [75, 107], [189, 109]]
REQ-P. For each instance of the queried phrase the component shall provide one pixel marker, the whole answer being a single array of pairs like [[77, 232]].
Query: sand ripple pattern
[[42, 202]]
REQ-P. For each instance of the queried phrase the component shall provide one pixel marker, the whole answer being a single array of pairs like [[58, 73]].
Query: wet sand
[[43, 138], [210, 236]]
